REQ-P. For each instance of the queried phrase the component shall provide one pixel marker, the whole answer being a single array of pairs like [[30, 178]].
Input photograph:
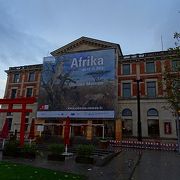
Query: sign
[[78, 85], [40, 128], [167, 128]]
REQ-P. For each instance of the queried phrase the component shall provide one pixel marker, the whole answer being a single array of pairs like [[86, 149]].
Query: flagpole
[[3, 143], [66, 149], [30, 142]]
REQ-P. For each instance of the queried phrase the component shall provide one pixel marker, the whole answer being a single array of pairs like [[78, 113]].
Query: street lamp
[[138, 80]]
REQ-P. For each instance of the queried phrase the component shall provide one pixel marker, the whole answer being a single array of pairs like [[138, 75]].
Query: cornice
[[85, 40]]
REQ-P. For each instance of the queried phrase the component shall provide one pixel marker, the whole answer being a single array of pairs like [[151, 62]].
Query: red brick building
[[157, 120]]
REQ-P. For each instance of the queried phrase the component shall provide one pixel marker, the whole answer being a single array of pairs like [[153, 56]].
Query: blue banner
[[79, 82]]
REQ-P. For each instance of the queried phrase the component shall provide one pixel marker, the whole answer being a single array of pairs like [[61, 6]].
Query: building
[[22, 81], [156, 118]]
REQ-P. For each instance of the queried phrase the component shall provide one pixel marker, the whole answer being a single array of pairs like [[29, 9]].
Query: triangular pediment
[[85, 44]]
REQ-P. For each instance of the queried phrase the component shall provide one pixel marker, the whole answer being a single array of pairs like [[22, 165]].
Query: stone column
[[118, 130], [89, 130], [38, 121]]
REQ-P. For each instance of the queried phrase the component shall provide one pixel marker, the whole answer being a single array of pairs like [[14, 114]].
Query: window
[[16, 78], [152, 112], [150, 67], [127, 126], [153, 123], [126, 69], [29, 92], [31, 76], [13, 93], [175, 65], [151, 89], [153, 128], [9, 114], [126, 112], [126, 90]]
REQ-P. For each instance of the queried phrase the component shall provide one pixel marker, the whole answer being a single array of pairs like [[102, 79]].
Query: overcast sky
[[31, 29]]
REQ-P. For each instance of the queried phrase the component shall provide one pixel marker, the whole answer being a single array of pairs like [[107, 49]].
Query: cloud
[[3, 84], [17, 47]]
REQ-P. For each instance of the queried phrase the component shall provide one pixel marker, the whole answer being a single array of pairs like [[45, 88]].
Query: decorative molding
[[87, 41]]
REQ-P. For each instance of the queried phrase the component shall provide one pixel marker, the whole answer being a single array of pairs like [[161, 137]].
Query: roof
[[97, 44]]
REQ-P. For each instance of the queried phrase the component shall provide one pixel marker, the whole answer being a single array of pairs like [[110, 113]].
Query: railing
[[144, 145], [150, 54]]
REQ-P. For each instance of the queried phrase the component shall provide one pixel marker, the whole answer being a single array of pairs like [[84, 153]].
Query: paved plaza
[[129, 164]]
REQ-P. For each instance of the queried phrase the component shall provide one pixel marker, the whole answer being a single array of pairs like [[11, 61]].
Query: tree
[[172, 83], [172, 76], [53, 83], [177, 38], [97, 75]]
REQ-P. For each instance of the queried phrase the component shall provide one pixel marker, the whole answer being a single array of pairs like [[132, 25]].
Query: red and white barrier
[[144, 145]]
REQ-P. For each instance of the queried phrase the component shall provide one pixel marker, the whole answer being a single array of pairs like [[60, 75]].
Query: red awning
[[67, 131], [31, 132], [5, 131]]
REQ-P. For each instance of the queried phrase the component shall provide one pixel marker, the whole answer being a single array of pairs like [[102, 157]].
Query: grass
[[14, 171]]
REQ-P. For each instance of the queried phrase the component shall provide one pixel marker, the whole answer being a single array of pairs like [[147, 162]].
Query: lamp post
[[138, 80], [139, 111]]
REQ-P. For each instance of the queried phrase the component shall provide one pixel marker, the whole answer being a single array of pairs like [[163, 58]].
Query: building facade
[[22, 81], [156, 118]]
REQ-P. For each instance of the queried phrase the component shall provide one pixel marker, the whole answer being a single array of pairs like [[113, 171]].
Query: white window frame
[[150, 80], [154, 67], [28, 87], [127, 81], [129, 69]]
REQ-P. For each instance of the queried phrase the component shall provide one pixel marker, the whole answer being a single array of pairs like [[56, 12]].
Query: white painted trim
[[126, 81], [150, 80], [130, 64]]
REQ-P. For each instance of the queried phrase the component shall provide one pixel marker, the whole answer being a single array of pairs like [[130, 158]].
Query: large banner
[[79, 85]]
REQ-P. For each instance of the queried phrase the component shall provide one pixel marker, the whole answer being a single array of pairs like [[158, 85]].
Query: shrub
[[85, 150], [56, 148], [29, 148], [11, 148]]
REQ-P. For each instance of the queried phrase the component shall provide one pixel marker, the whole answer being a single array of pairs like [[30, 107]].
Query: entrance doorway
[[127, 127], [153, 128]]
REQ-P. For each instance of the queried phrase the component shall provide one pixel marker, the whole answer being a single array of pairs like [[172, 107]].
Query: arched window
[[152, 112], [126, 112]]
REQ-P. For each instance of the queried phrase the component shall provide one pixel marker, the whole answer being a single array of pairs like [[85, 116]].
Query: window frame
[[31, 76], [126, 112], [15, 95], [149, 68], [27, 91], [123, 89], [124, 72], [153, 114], [16, 78], [148, 89], [174, 64]]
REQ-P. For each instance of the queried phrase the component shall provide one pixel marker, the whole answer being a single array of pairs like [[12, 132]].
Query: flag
[[67, 131], [5, 131], [31, 132]]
